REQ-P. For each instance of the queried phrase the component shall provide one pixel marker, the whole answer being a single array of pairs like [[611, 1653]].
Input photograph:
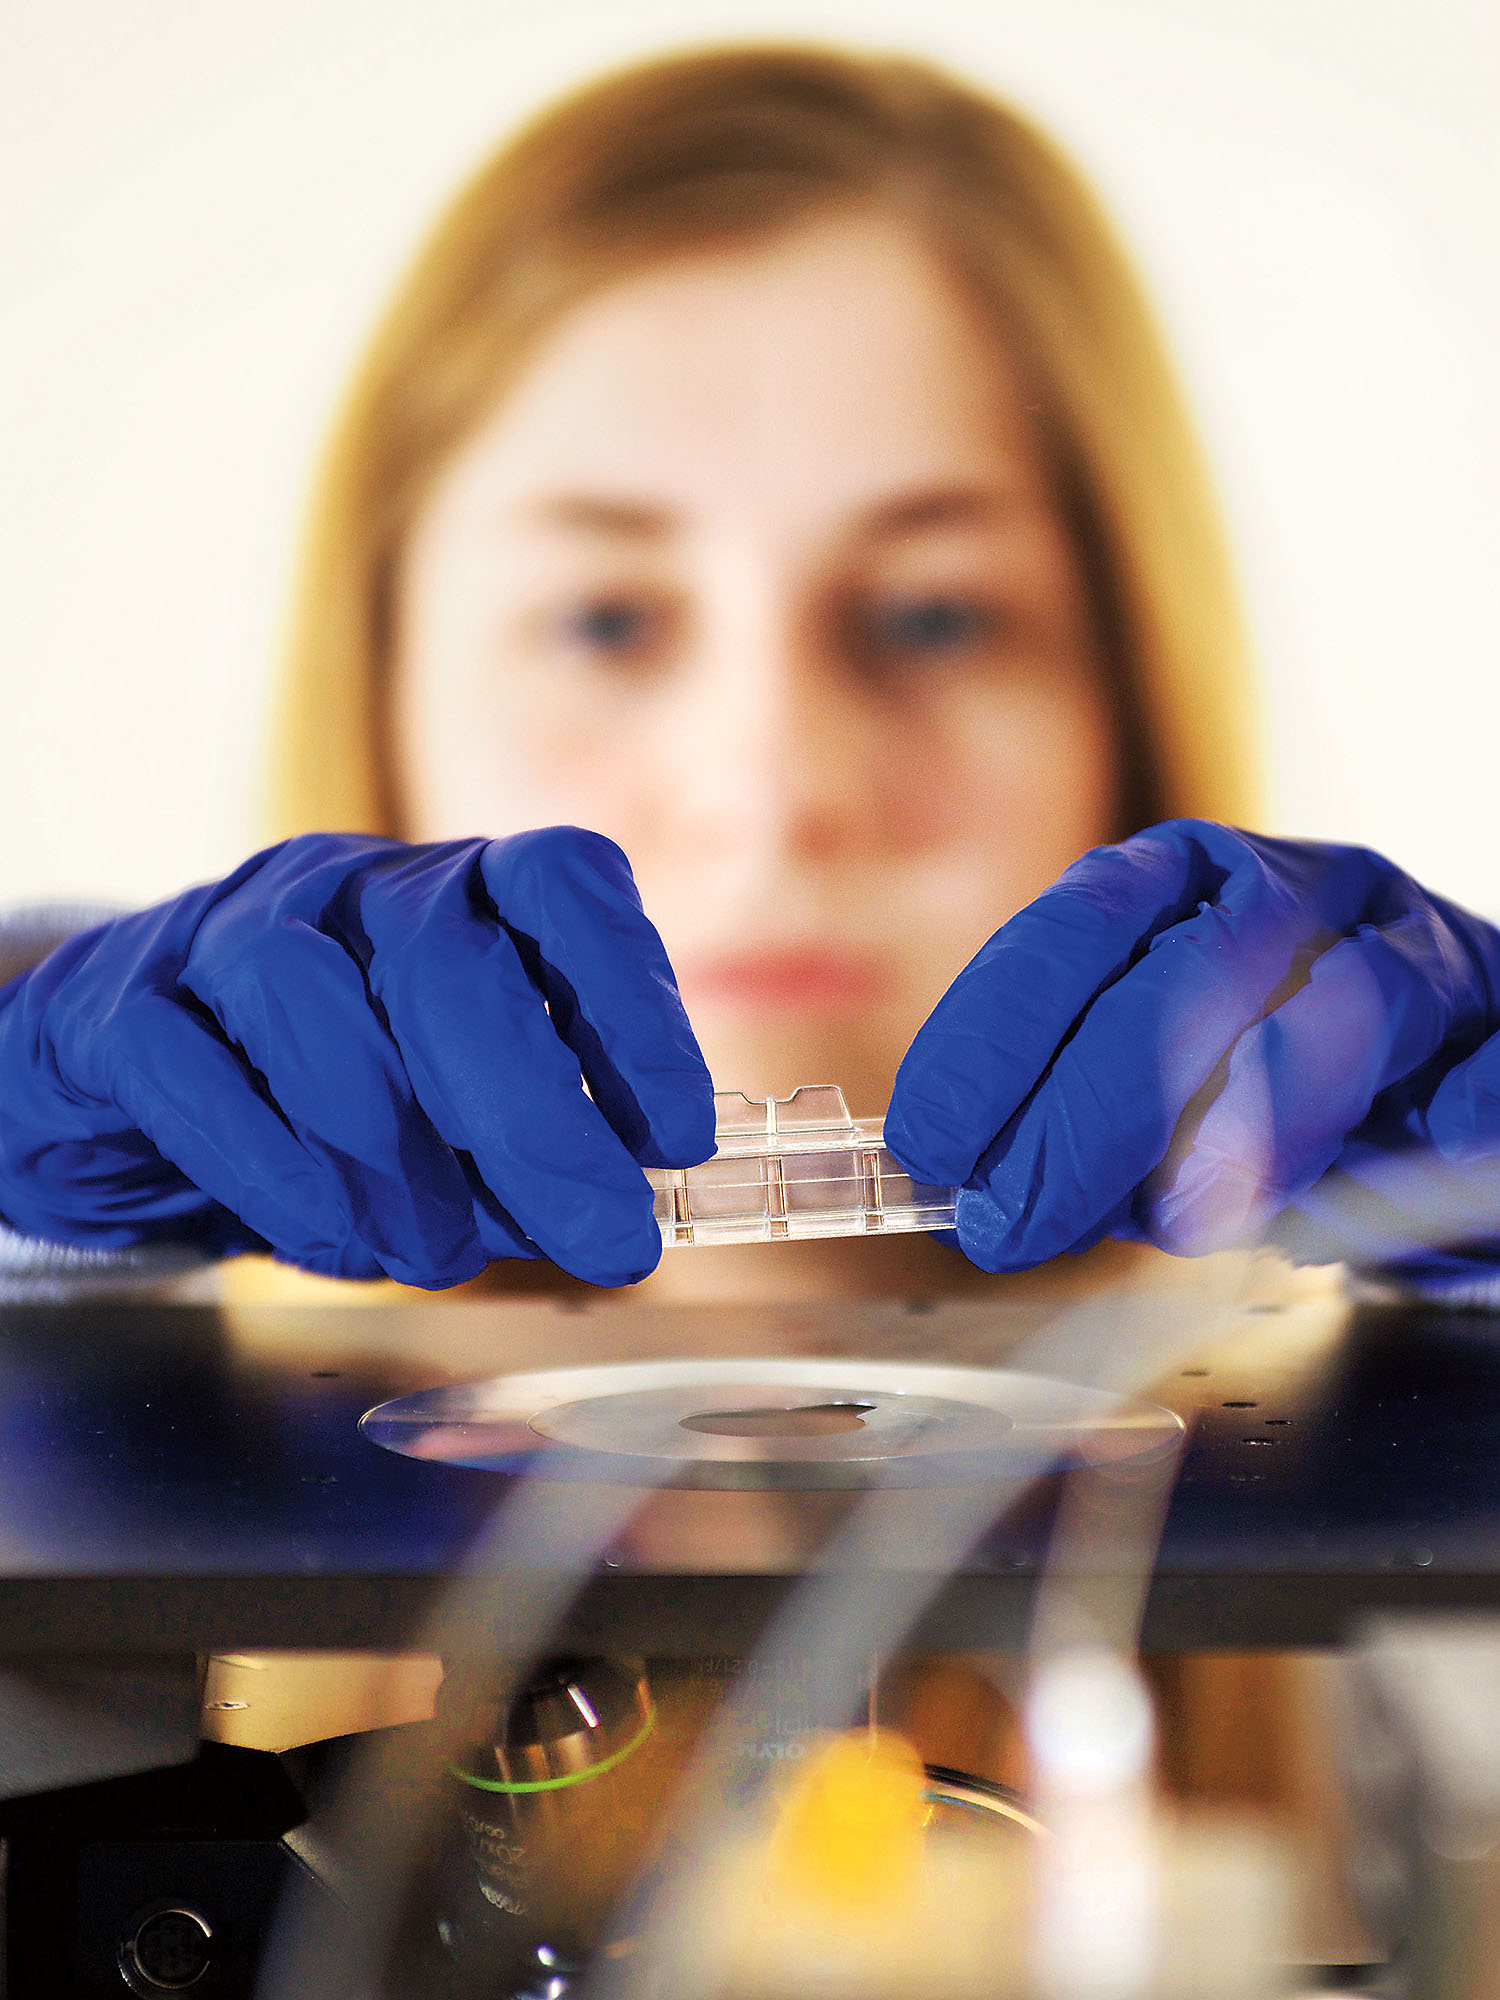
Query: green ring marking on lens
[[568, 1777]]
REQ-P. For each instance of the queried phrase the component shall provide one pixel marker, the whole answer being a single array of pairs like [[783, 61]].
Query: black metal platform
[[182, 1478]]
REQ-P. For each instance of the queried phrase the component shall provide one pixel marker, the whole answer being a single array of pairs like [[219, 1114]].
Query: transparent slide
[[794, 1166]]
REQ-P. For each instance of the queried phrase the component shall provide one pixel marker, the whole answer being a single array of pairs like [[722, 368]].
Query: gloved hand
[[367, 1056], [1202, 1038]]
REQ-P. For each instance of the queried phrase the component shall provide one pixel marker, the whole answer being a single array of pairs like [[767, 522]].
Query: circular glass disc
[[791, 1424]]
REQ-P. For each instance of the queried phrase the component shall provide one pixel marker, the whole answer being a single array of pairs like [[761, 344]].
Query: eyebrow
[[934, 507], [649, 521], [601, 514]]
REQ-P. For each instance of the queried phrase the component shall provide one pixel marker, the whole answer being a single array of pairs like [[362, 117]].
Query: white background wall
[[202, 203]]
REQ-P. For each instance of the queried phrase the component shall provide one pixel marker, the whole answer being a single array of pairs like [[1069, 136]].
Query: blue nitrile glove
[[367, 1056], [1201, 1038]]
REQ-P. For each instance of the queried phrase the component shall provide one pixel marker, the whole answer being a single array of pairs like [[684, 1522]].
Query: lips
[[802, 979]]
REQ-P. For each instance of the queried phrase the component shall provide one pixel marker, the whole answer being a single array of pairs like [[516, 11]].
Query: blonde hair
[[703, 150]]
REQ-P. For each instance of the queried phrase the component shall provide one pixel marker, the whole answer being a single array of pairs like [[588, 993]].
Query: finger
[[989, 1041], [199, 1106], [1104, 1116], [499, 1232], [1375, 1009], [1375, 1208], [491, 1073], [116, 1190], [1463, 1117], [296, 1003], [570, 904], [984, 1235]]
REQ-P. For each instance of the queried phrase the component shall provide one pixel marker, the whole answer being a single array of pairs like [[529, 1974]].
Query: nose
[[777, 753]]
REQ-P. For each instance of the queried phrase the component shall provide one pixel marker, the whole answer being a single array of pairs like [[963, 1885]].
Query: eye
[[613, 628], [925, 625]]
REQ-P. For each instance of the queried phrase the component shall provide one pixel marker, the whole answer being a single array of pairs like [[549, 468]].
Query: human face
[[757, 569]]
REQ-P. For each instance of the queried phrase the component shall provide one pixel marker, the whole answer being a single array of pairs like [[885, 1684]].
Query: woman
[[769, 465]]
